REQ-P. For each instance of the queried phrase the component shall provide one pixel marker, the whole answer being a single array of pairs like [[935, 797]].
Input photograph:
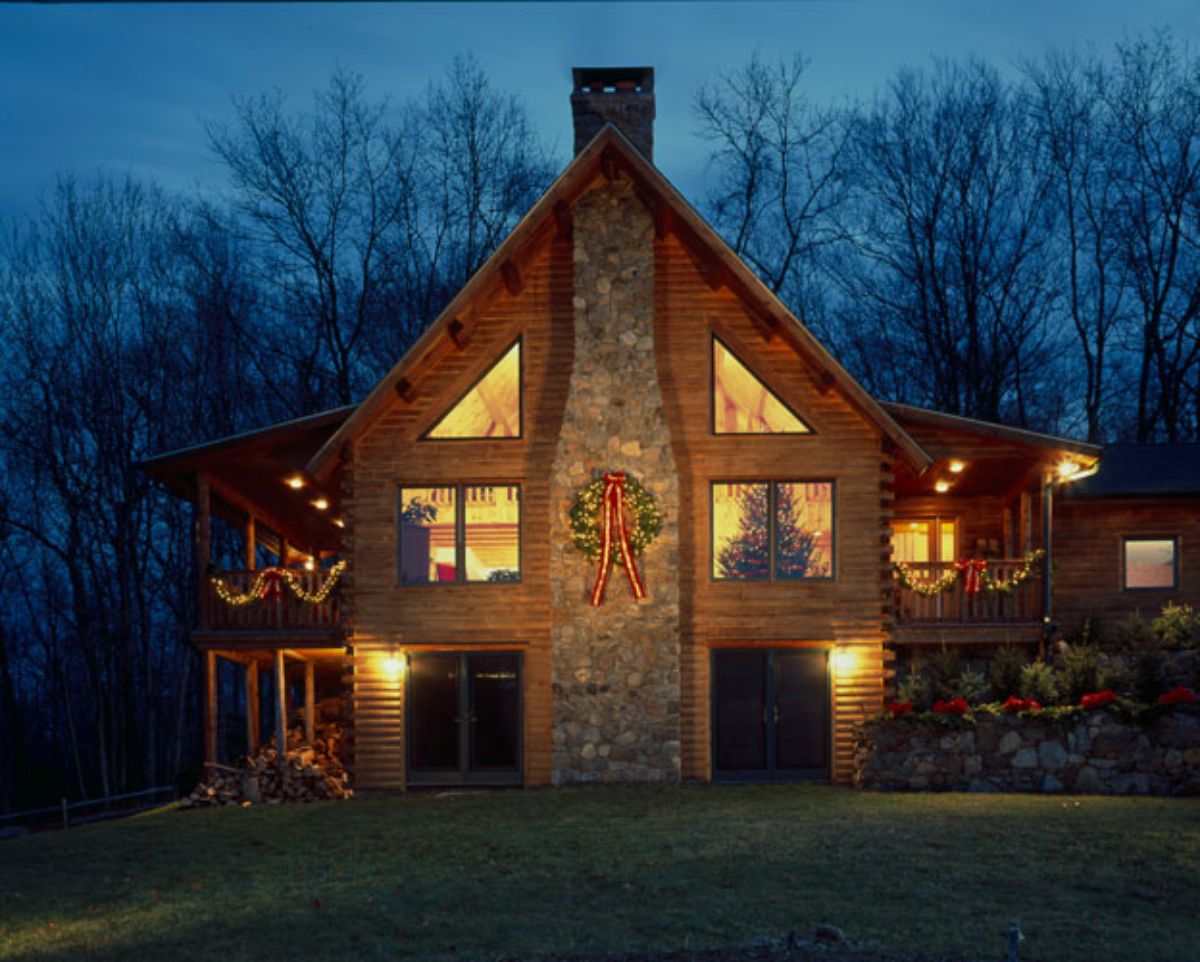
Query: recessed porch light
[[942, 487], [320, 504], [956, 467], [295, 482]]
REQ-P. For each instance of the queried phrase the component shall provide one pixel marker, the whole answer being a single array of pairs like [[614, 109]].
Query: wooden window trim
[[716, 339], [1176, 573], [460, 532], [773, 579]]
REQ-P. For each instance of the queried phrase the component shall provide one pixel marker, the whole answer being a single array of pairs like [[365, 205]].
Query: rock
[[1050, 784], [1025, 758], [1088, 781], [1052, 755], [829, 934], [1009, 743]]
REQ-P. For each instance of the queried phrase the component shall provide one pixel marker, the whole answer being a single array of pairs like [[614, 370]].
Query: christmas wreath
[[642, 518]]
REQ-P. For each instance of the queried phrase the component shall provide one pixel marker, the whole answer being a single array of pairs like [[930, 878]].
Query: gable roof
[[608, 153], [1143, 470]]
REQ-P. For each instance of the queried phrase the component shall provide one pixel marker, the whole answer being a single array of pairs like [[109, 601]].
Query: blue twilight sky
[[124, 87]]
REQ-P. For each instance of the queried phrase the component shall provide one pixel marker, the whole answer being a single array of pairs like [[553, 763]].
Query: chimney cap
[[601, 80]]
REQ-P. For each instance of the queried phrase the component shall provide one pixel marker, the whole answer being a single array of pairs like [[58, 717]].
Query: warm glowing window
[[492, 408], [1150, 563], [918, 541], [779, 530], [463, 532], [742, 404]]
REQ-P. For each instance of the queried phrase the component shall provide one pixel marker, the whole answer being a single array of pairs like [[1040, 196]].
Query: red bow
[[612, 523], [972, 574], [272, 585]]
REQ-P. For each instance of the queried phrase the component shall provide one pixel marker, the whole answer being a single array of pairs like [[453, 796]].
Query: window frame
[[1124, 562], [460, 532], [772, 507], [517, 342], [716, 339]]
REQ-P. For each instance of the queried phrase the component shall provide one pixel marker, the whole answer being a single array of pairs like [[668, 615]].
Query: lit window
[[490, 409], [742, 404], [460, 533], [780, 530], [1150, 563]]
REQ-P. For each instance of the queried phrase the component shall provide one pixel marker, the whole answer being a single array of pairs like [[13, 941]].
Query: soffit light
[[941, 487], [320, 504], [956, 466], [295, 482]]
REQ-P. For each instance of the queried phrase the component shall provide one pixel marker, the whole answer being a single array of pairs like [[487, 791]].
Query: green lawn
[[485, 876]]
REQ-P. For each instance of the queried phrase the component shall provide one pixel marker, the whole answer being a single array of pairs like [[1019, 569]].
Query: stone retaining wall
[[1091, 753]]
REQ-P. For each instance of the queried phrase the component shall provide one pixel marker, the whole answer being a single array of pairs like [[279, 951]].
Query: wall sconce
[[394, 664], [843, 660]]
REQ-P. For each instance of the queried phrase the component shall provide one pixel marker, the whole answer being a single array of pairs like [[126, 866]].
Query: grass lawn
[[523, 873]]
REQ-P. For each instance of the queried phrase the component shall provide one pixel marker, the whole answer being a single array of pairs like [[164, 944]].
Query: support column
[[251, 544], [310, 702], [203, 546], [1047, 546], [280, 703], [252, 708], [210, 706]]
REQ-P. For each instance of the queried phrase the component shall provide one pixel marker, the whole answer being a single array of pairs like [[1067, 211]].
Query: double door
[[463, 718], [771, 714]]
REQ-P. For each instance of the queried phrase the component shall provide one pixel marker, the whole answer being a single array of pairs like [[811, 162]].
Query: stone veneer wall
[[1094, 753], [615, 667]]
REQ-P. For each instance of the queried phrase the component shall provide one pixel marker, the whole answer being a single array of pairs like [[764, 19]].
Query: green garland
[[948, 581], [641, 513]]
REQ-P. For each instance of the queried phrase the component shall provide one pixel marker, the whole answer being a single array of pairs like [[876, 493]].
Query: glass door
[[463, 718], [770, 714]]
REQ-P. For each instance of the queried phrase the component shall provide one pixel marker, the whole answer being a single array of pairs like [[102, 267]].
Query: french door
[[463, 718], [770, 714]]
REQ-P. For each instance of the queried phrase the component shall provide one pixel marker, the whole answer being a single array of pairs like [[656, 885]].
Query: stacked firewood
[[305, 773]]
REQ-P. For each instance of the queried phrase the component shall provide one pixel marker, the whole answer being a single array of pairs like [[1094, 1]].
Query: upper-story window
[[772, 530], [1150, 563], [491, 408], [460, 533], [743, 404]]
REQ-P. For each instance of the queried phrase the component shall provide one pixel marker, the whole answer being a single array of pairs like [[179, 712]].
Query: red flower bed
[[898, 708], [955, 706], [1013, 705], [1098, 699], [1179, 695]]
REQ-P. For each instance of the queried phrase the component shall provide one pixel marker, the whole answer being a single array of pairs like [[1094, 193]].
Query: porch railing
[[281, 611], [1023, 604]]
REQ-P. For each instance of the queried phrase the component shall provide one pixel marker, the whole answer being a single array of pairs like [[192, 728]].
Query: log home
[[613, 351]]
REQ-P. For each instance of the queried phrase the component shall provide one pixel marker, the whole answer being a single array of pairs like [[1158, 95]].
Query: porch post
[[280, 703], [251, 544], [203, 546], [252, 706], [1048, 547], [210, 706], [310, 691]]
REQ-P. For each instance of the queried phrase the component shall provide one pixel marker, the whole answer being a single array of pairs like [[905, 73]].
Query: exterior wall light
[[393, 664], [844, 660]]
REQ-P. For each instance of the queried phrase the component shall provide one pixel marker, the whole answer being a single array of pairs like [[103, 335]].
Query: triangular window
[[742, 404], [490, 409]]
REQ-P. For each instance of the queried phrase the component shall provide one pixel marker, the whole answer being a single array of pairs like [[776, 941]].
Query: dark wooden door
[[463, 718], [770, 714]]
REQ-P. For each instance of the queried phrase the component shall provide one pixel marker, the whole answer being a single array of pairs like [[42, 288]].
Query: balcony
[[296, 607], [952, 615]]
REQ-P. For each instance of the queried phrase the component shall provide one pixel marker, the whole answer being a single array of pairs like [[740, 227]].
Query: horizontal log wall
[[844, 447], [1088, 562]]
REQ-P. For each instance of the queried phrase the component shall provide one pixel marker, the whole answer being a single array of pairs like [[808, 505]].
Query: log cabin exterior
[[612, 332]]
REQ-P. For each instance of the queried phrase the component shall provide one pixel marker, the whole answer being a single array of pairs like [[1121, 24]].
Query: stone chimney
[[623, 96]]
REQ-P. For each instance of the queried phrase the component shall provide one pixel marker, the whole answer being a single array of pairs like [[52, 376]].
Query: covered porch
[[972, 536]]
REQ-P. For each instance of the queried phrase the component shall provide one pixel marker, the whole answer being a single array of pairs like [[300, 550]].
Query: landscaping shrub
[[1149, 674], [971, 686], [916, 691], [1089, 632], [1038, 683], [1132, 633], [1177, 626], [944, 669], [1007, 665], [1080, 672]]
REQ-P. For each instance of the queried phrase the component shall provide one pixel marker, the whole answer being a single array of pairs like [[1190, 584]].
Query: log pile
[[305, 773]]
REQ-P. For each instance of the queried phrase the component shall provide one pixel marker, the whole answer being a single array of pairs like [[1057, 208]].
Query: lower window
[[456, 533], [463, 718], [1150, 563]]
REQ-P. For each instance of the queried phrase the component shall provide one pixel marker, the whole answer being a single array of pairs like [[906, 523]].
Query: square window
[[1150, 563], [779, 530], [456, 533]]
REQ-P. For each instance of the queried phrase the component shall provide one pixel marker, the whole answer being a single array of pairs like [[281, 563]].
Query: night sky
[[124, 87]]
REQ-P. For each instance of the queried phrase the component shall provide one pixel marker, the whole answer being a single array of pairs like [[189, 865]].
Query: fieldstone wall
[[615, 667], [1095, 753]]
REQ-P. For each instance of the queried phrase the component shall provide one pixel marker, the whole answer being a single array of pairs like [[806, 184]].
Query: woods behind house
[[1020, 246]]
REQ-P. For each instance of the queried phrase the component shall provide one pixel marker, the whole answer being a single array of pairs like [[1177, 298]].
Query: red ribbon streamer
[[612, 523], [972, 574], [272, 586]]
